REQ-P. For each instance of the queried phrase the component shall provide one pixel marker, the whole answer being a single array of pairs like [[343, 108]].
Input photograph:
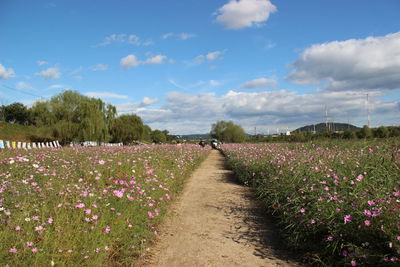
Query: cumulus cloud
[[41, 62], [130, 61], [136, 107], [356, 64], [261, 83], [99, 67], [106, 95], [211, 56], [244, 13], [50, 73], [158, 59], [6, 73], [123, 38], [194, 113]]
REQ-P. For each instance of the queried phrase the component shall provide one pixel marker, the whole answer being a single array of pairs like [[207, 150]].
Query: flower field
[[340, 202], [87, 206]]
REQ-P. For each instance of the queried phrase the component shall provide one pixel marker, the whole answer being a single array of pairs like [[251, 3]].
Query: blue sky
[[183, 65]]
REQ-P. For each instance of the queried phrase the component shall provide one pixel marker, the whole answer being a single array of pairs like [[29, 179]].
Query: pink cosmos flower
[[150, 215], [371, 202], [34, 250], [347, 219], [50, 220], [29, 244], [88, 211], [107, 229], [367, 223], [101, 162], [80, 206], [13, 250], [329, 238], [118, 193], [353, 263], [360, 177], [367, 213], [95, 217]]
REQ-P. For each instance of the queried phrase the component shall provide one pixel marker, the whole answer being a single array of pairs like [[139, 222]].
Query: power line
[[21, 91]]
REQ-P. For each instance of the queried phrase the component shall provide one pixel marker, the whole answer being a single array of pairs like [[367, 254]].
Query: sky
[[267, 65]]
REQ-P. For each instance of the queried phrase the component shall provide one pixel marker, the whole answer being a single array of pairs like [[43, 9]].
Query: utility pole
[[326, 118], [368, 112]]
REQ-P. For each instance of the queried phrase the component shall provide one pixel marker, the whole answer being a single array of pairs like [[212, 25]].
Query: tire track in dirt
[[217, 222]]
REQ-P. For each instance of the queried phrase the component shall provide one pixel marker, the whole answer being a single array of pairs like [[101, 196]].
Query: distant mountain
[[194, 136], [331, 126]]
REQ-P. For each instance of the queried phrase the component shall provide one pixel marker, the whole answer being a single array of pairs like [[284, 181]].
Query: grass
[[87, 206]]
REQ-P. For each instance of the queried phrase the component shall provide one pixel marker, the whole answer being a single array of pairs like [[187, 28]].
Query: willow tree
[[75, 117], [228, 132], [128, 128]]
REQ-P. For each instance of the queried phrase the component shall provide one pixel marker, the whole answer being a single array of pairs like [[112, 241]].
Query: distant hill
[[322, 127], [194, 136]]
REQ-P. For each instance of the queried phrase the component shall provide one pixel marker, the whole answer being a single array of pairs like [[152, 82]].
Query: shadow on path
[[256, 228]]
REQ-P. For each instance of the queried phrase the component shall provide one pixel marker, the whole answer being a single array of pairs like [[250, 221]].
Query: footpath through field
[[217, 222]]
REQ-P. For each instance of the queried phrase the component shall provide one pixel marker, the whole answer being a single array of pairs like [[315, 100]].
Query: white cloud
[[149, 101], [77, 70], [261, 83], [130, 61], [245, 13], [185, 36], [194, 113], [159, 59], [211, 56], [105, 95], [100, 67], [50, 73], [214, 55], [41, 62], [356, 64], [58, 86], [24, 86], [182, 36], [214, 83], [124, 38], [136, 107], [6, 73]]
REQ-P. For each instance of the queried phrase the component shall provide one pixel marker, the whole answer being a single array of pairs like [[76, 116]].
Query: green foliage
[[338, 200], [365, 132], [87, 206], [127, 128], [74, 117], [158, 136], [16, 113], [228, 132]]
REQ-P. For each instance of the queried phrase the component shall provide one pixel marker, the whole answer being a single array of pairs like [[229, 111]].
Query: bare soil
[[217, 222]]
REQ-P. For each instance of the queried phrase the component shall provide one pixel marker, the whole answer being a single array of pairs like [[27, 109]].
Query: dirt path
[[217, 222]]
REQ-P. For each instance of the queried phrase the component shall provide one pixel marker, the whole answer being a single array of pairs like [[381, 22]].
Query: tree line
[[70, 116]]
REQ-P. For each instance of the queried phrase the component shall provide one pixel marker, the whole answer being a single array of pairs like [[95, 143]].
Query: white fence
[[94, 143], [27, 145]]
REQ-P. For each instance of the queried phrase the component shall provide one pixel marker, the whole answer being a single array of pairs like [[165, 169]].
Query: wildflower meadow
[[80, 206], [339, 203]]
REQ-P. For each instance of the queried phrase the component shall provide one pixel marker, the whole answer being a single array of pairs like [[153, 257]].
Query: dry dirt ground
[[217, 222]]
